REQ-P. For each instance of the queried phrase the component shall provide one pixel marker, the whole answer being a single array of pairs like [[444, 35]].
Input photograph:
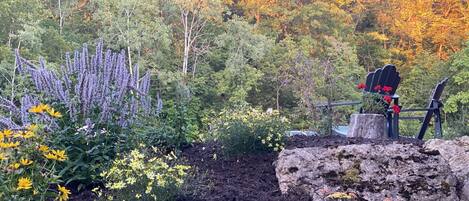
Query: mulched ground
[[252, 177], [248, 177]]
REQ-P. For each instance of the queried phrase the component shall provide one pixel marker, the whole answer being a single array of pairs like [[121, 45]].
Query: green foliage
[[458, 101], [244, 50], [90, 151], [373, 103], [141, 175], [154, 131], [294, 55], [136, 26], [245, 130], [417, 85], [28, 167]]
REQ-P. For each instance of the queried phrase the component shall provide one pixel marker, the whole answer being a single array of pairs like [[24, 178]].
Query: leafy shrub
[[138, 175], [90, 153], [156, 132], [248, 130], [28, 166]]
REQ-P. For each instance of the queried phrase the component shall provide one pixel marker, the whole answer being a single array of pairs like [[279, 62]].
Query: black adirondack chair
[[385, 76], [433, 108]]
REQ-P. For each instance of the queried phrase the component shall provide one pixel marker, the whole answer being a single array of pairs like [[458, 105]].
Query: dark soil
[[218, 177], [252, 177]]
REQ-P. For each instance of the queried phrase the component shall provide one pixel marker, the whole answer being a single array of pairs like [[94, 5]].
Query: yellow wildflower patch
[[6, 145], [63, 193], [61, 156], [54, 113], [25, 134], [3, 156], [6, 133], [58, 155], [39, 108], [32, 127], [43, 148], [24, 184], [14, 166], [26, 162], [50, 156]]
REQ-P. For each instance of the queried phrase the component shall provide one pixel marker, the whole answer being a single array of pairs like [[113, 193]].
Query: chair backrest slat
[[386, 76], [376, 79], [437, 91], [436, 95]]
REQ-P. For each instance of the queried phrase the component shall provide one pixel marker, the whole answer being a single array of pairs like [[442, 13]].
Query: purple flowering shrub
[[100, 98], [92, 89]]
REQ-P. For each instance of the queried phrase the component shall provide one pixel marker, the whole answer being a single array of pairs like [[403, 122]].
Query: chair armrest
[[411, 118], [414, 109], [340, 103]]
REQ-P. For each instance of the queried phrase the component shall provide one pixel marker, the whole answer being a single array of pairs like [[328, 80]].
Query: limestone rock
[[367, 126], [371, 172], [456, 153]]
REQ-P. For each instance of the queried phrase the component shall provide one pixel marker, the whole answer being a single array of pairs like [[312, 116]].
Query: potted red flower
[[371, 122]]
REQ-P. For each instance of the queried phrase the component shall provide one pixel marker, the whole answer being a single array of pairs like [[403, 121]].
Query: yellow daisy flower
[[61, 156], [44, 107], [25, 134], [3, 156], [9, 144], [54, 113], [50, 156], [24, 184], [39, 108], [63, 193], [14, 166], [7, 133], [28, 134], [58, 155], [26, 162], [43, 148], [36, 109], [32, 127]]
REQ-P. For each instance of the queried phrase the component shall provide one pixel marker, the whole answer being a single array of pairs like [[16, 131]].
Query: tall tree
[[134, 25], [244, 50], [194, 16]]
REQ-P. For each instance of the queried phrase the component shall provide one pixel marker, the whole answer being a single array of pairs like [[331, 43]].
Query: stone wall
[[367, 172]]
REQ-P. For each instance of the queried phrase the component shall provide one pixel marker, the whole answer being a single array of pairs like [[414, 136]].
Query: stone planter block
[[368, 126]]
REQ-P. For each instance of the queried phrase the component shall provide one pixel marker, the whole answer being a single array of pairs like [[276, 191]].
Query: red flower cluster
[[387, 89], [361, 86], [396, 109], [377, 87], [387, 99]]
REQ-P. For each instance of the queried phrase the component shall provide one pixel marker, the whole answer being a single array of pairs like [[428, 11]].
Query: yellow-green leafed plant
[[137, 176], [247, 130], [27, 163]]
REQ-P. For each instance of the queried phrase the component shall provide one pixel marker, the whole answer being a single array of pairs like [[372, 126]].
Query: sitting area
[[388, 76]]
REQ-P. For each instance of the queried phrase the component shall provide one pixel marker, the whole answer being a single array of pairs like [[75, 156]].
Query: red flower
[[377, 87], [396, 109], [361, 86], [387, 89], [387, 99]]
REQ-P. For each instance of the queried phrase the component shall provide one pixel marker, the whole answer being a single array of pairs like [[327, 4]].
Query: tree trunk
[[367, 126], [186, 43], [61, 19]]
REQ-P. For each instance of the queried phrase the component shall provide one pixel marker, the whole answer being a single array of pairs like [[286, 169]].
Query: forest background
[[208, 55]]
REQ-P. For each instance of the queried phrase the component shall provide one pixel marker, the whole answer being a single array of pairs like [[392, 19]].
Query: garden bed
[[252, 177]]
